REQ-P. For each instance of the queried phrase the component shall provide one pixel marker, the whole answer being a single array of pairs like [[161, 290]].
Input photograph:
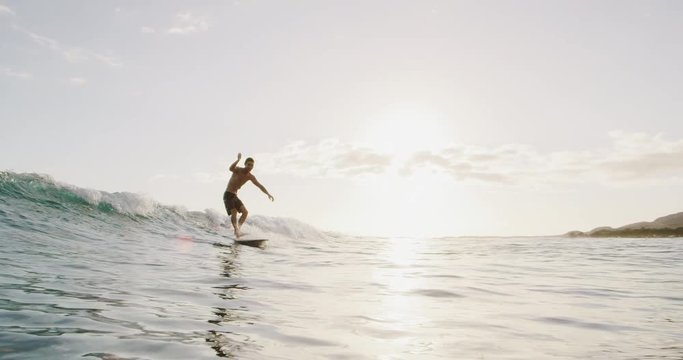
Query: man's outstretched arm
[[234, 165], [263, 188]]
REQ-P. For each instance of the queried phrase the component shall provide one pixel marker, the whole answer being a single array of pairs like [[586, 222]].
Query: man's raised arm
[[234, 165]]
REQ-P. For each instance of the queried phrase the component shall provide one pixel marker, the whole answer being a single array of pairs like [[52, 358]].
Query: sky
[[386, 118]]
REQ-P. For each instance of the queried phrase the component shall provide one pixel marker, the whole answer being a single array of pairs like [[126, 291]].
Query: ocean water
[[87, 274]]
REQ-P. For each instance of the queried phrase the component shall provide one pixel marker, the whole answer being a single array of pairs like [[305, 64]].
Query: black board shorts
[[232, 202]]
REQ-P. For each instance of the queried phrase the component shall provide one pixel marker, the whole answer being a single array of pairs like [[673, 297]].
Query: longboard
[[251, 242]]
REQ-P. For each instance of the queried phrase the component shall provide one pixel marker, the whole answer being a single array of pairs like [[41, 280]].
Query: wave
[[44, 193]]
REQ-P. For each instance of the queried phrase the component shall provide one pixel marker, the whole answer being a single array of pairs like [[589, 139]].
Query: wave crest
[[43, 190]]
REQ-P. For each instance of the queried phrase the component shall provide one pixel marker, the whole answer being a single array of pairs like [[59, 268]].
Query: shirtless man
[[233, 204]]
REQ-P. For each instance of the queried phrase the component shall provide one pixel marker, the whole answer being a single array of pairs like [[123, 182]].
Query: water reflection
[[221, 344], [220, 341], [399, 309], [227, 257]]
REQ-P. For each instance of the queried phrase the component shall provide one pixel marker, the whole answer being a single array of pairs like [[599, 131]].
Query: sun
[[405, 129]]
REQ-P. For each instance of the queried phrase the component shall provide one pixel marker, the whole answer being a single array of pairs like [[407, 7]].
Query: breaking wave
[[28, 194]]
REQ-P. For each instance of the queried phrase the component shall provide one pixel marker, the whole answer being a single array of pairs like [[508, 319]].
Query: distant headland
[[666, 226]]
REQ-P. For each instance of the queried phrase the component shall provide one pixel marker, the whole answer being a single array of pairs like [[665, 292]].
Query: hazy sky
[[365, 117]]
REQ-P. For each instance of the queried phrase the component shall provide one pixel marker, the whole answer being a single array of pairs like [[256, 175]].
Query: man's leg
[[233, 219], [243, 218]]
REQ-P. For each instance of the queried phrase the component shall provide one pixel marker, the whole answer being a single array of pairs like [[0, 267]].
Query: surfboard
[[251, 242]]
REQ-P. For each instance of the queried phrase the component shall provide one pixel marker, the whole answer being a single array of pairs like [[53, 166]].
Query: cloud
[[147, 30], [186, 23], [361, 161], [328, 158], [78, 81], [4, 10], [641, 155], [502, 164], [629, 157], [71, 54], [13, 73]]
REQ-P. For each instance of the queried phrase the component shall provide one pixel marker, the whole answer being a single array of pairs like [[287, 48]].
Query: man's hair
[[248, 160]]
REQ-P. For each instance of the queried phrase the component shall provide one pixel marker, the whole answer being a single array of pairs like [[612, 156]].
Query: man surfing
[[233, 204]]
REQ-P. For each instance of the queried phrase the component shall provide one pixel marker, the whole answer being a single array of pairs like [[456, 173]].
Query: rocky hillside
[[669, 221], [665, 226]]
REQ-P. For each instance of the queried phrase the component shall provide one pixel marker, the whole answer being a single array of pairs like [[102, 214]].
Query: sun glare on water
[[398, 306]]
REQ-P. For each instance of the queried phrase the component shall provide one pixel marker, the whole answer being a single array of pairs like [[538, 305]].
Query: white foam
[[287, 227], [215, 217], [123, 202], [130, 203]]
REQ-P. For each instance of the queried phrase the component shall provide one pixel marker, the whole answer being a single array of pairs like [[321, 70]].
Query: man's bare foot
[[237, 233]]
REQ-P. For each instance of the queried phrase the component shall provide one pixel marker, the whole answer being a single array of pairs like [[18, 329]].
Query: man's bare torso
[[239, 177]]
